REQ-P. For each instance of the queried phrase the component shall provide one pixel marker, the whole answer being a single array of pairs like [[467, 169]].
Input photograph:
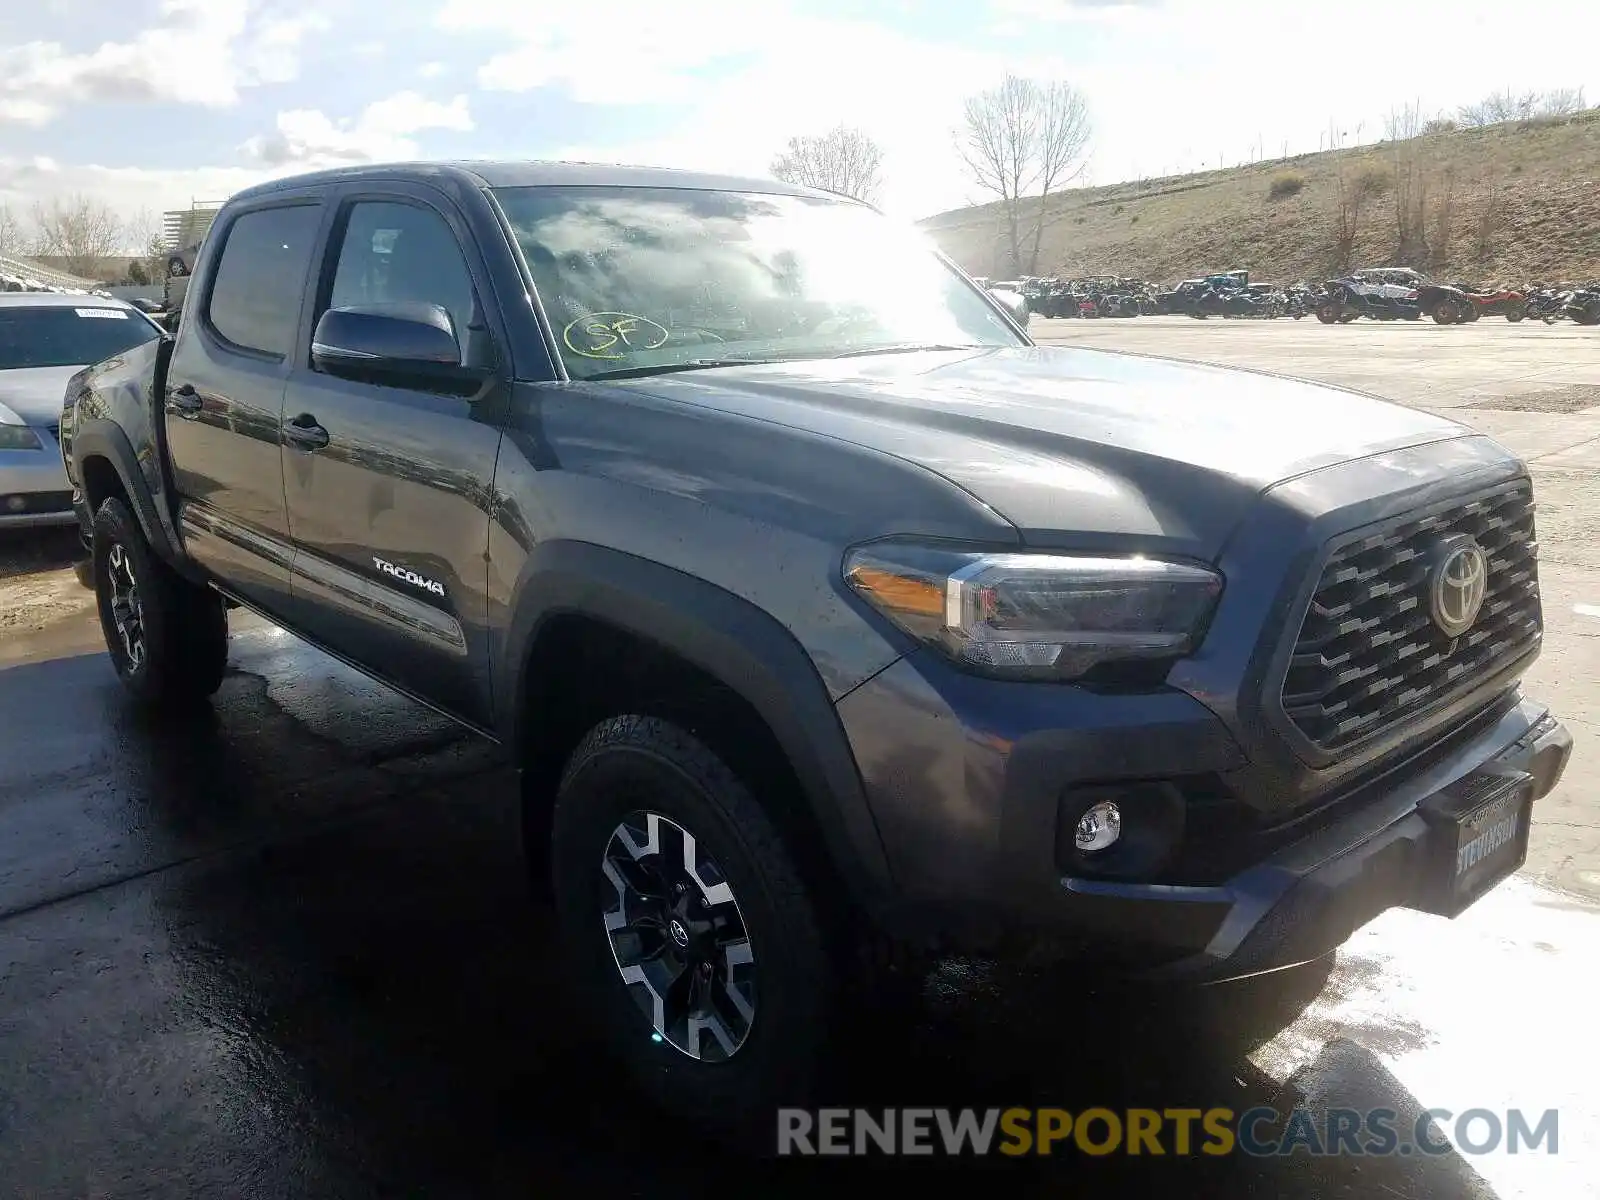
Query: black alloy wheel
[[127, 614], [167, 636], [678, 938], [693, 947]]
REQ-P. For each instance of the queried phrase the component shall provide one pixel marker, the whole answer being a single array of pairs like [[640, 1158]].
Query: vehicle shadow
[[428, 997], [29, 551], [352, 984]]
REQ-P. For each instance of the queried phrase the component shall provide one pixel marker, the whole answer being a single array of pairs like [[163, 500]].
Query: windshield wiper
[[693, 364], [903, 348]]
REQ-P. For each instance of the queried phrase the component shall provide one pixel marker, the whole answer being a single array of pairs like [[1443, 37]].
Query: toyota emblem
[[1458, 584]]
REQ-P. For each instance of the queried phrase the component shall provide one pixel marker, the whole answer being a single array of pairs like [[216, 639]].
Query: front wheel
[[168, 637], [1328, 313], [1516, 313], [690, 938], [1446, 313]]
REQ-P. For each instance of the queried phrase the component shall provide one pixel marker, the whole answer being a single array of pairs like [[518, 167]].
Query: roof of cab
[[498, 174]]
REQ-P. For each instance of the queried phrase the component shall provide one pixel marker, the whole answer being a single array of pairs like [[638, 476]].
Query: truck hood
[[34, 393], [1075, 447]]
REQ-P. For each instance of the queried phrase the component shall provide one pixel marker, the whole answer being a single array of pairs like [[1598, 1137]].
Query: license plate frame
[[1480, 837]]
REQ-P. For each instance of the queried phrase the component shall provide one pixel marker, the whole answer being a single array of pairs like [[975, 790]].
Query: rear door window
[[261, 278]]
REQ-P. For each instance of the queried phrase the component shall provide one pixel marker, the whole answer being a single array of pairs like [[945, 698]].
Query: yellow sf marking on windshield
[[599, 334]]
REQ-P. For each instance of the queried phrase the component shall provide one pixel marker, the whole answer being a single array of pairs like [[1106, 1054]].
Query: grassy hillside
[[1524, 205]]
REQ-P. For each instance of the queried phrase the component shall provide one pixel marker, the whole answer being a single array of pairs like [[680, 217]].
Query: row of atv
[[1380, 294], [1402, 294], [1094, 296], [1231, 294]]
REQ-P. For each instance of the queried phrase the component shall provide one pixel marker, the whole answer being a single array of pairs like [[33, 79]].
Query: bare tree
[[1489, 218], [78, 230], [1498, 107], [143, 237], [1403, 128], [1348, 197], [11, 233], [141, 231], [1443, 219], [1562, 102], [843, 160], [1020, 140]]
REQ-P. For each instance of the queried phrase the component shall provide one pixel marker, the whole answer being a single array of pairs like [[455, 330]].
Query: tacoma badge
[[408, 575]]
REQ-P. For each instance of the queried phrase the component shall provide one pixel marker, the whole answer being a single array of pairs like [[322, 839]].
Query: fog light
[[16, 503], [1098, 828]]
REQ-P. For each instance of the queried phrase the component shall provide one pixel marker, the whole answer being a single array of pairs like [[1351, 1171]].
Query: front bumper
[[34, 490], [1309, 898], [966, 779]]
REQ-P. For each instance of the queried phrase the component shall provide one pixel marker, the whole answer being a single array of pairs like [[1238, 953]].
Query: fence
[[35, 277]]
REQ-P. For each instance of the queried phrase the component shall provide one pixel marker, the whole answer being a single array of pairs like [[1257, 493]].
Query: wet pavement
[[286, 948]]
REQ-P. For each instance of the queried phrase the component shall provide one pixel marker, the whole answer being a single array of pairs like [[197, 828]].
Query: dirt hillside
[[1524, 205]]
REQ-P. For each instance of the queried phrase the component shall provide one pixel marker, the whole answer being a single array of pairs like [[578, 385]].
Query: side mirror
[[401, 345]]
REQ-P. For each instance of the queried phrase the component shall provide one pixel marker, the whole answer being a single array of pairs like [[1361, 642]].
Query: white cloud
[[1172, 85], [309, 138], [432, 70], [273, 54], [196, 52], [748, 85], [24, 112], [126, 190], [1194, 81], [641, 52]]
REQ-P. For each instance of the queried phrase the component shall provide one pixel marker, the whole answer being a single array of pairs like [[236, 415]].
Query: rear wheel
[[691, 939], [1328, 313], [1589, 314], [1516, 313], [168, 637], [1446, 312]]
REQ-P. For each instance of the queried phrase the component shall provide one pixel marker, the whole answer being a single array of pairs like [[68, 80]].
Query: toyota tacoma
[[833, 624]]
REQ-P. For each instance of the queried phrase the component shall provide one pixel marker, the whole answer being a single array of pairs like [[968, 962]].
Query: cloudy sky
[[153, 103]]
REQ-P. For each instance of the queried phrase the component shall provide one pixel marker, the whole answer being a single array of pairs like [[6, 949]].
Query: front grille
[[1369, 655]]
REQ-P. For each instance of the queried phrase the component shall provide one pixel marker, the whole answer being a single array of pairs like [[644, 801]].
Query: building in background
[[183, 228]]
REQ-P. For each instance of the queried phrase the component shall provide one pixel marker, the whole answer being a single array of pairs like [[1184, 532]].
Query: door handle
[[305, 433], [185, 400]]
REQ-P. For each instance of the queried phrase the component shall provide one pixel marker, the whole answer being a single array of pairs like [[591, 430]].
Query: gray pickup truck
[[833, 624]]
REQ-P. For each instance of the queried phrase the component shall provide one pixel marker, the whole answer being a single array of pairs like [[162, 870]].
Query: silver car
[[45, 339]]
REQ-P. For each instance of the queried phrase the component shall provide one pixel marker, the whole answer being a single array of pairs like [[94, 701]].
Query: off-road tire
[[1328, 313], [183, 627], [629, 764]]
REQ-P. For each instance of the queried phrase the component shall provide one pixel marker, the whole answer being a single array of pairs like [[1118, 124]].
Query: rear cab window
[[260, 279]]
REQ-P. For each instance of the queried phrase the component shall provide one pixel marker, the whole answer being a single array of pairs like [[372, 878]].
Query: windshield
[[59, 336], [641, 279]]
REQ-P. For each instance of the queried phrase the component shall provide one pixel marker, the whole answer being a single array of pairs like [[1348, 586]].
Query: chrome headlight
[[1037, 616]]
